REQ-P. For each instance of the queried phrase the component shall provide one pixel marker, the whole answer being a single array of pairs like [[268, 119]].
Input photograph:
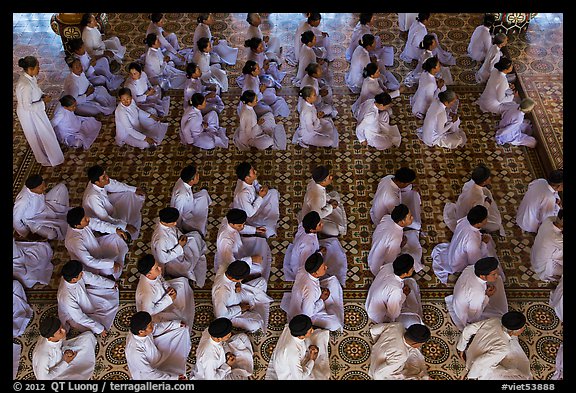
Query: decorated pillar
[[67, 26], [512, 22]]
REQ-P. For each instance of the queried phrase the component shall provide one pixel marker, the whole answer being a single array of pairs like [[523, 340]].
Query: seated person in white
[[314, 128], [467, 246], [71, 129], [396, 351], [113, 201], [540, 201], [195, 84], [293, 53], [364, 26], [301, 352], [22, 312], [165, 300], [240, 299], [475, 191], [557, 299], [157, 350], [437, 130], [168, 41], [103, 255], [405, 20], [416, 34], [86, 301], [394, 236], [56, 358], [478, 294], [327, 204], [231, 246], [492, 57], [256, 51], [481, 39], [147, 96], [495, 351], [95, 67], [222, 53], [429, 85], [260, 202], [273, 50], [373, 128], [371, 86], [324, 102], [547, 254], [316, 294], [307, 55], [428, 45], [192, 206], [513, 128], [134, 126], [499, 94], [201, 130], [96, 45], [40, 214], [212, 74], [396, 189], [220, 355], [394, 296], [31, 262], [159, 68], [306, 243]]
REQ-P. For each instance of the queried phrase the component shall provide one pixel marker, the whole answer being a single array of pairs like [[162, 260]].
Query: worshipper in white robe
[[31, 262], [396, 353], [22, 312], [499, 94], [327, 204], [557, 299], [559, 368], [547, 253], [212, 74], [260, 202], [180, 255], [405, 20], [201, 130], [268, 101], [416, 34], [513, 128], [492, 57], [112, 201], [306, 56], [495, 351], [103, 255], [475, 191], [164, 300], [393, 190], [147, 96], [316, 294], [301, 352], [192, 206], [306, 243], [134, 126], [372, 85], [195, 84], [541, 200], [40, 214], [221, 355], [56, 358], [16, 351], [373, 128], [437, 129], [272, 45], [260, 132], [314, 128], [323, 46], [168, 41], [428, 45], [245, 303], [95, 67], [96, 45], [222, 52], [159, 68], [231, 246], [394, 236], [394, 296], [481, 39], [364, 26], [478, 294], [324, 102], [31, 112], [429, 86], [467, 246], [71, 129], [91, 100], [271, 76], [157, 350], [86, 301]]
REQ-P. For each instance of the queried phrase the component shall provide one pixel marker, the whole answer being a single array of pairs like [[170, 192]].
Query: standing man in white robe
[[495, 351], [56, 358], [396, 351], [192, 206], [540, 201], [261, 203], [437, 129], [478, 294], [317, 295], [40, 214], [86, 301], [243, 302], [392, 237], [31, 262], [113, 201], [164, 299], [220, 355], [547, 254], [301, 352], [157, 350], [394, 296], [513, 128], [481, 39], [180, 255]]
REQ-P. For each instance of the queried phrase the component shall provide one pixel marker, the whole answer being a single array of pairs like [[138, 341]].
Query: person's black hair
[[399, 213], [489, 20], [369, 70], [75, 216], [85, 19], [202, 43], [145, 263], [310, 221], [383, 98], [249, 67], [75, 43], [27, 62], [402, 264], [249, 17], [365, 17], [312, 68], [169, 214], [480, 174], [243, 170], [307, 37], [430, 63], [499, 38], [139, 321], [503, 64], [405, 175], [556, 176], [135, 66], [150, 39], [67, 100], [197, 99], [236, 216], [70, 60], [477, 214], [190, 69], [124, 91], [248, 96], [71, 269], [427, 41], [422, 16], [446, 96], [366, 40], [313, 17], [253, 43], [202, 17], [306, 92], [187, 173], [156, 17], [34, 181], [94, 173]]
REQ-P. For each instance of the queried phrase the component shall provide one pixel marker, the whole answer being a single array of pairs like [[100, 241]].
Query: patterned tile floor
[[441, 174]]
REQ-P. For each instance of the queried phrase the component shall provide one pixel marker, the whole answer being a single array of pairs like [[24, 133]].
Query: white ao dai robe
[[170, 46], [497, 95], [96, 46], [547, 254], [323, 104], [413, 77], [492, 57], [222, 52], [315, 131], [425, 94], [306, 56], [260, 136], [153, 103], [384, 53], [211, 74], [192, 206], [354, 77], [195, 85], [99, 102], [73, 130], [370, 88], [193, 130], [557, 299], [270, 75], [388, 195], [323, 48], [480, 42], [99, 74], [539, 202], [22, 312], [31, 262], [439, 130], [514, 129], [316, 198], [133, 125], [374, 127], [405, 20], [162, 73], [260, 211], [267, 100], [412, 49]]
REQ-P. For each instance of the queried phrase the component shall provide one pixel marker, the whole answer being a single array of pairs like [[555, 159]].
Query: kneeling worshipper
[[513, 128], [31, 262], [221, 355], [437, 129], [301, 352], [547, 253], [157, 350], [56, 358]]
